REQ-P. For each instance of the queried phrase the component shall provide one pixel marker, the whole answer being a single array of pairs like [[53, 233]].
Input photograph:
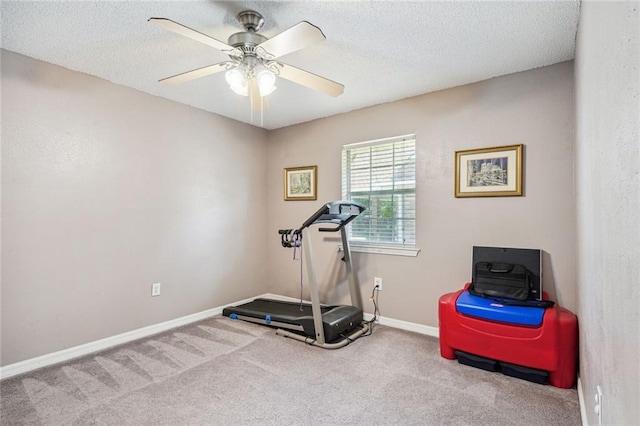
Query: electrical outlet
[[377, 282], [598, 407], [155, 289]]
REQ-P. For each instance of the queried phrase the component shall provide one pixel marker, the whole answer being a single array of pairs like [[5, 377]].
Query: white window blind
[[381, 175]]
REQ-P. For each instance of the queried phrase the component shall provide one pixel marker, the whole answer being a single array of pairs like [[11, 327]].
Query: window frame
[[377, 247]]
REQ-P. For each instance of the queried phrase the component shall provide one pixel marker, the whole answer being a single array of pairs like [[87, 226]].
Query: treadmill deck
[[297, 316]]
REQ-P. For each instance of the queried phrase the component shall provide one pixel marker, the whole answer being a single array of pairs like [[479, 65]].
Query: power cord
[[376, 310]]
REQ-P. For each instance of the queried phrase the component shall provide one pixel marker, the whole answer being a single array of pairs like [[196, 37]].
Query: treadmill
[[329, 327]]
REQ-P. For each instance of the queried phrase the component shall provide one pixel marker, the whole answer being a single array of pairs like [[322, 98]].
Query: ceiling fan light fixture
[[237, 79], [266, 82]]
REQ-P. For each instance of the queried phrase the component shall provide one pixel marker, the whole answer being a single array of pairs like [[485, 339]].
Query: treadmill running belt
[[286, 309], [335, 319]]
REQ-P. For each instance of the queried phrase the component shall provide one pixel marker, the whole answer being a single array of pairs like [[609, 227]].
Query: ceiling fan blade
[[170, 25], [258, 102], [295, 38], [310, 80], [265, 102], [192, 75]]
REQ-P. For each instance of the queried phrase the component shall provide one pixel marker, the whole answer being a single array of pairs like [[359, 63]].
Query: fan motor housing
[[246, 39]]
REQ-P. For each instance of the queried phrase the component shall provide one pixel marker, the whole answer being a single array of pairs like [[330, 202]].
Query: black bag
[[502, 280], [506, 283]]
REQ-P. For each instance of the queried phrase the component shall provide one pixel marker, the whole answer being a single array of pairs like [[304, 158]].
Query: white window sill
[[382, 249]]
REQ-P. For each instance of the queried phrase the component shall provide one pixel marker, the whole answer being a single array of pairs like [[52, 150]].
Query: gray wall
[[534, 108], [608, 204], [106, 190]]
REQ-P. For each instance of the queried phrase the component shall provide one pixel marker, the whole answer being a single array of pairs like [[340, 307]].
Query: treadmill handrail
[[334, 218]]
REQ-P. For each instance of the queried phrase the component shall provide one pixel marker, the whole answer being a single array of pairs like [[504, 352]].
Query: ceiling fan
[[254, 65]]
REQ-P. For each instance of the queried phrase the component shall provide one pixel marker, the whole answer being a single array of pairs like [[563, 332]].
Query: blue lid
[[483, 308]]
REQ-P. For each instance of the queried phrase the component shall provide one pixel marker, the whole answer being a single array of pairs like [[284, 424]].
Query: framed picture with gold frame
[[300, 183], [489, 172]]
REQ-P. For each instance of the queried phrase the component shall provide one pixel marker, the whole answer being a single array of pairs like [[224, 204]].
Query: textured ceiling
[[380, 50]]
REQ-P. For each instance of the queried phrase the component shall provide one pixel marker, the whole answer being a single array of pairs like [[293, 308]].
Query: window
[[381, 175]]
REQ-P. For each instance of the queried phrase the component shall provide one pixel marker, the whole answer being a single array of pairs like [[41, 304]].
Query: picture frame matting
[[300, 183], [489, 172]]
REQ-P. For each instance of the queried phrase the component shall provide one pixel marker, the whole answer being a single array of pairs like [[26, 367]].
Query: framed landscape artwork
[[489, 172], [300, 183]]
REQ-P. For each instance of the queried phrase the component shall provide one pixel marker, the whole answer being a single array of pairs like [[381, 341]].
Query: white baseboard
[[390, 322], [583, 409], [406, 325], [109, 342]]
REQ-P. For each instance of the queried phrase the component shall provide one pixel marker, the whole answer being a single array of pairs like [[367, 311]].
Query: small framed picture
[[300, 183], [489, 172]]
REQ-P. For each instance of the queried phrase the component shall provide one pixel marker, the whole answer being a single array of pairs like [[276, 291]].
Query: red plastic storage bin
[[552, 346]]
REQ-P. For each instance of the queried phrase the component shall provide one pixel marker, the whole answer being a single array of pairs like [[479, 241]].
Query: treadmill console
[[337, 213]]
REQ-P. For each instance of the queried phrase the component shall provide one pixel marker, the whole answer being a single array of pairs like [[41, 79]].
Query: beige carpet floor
[[224, 372]]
